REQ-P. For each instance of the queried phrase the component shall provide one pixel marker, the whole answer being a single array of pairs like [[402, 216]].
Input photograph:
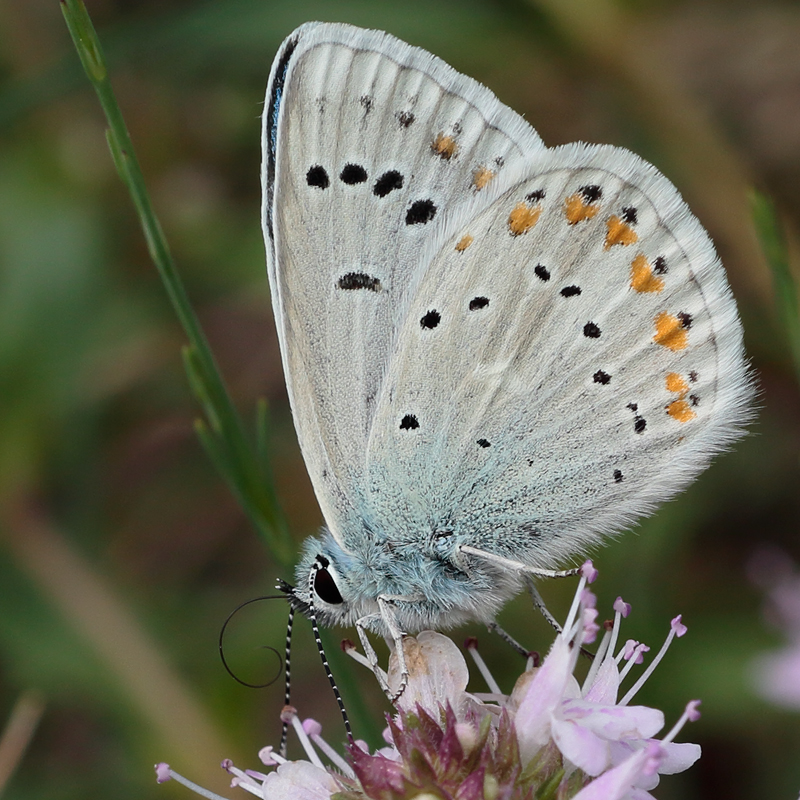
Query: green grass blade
[[773, 243], [244, 472]]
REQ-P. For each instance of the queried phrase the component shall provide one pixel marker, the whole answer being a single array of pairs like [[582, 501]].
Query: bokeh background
[[122, 551]]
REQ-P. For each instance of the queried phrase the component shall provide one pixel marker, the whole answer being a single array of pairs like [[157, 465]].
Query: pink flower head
[[776, 674], [582, 742]]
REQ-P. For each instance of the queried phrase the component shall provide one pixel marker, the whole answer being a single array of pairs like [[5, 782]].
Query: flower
[[776, 675], [550, 737]]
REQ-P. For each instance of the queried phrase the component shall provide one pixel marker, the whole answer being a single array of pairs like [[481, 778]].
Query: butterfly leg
[[508, 639], [518, 566], [386, 603], [369, 651], [528, 573], [539, 604], [389, 620]]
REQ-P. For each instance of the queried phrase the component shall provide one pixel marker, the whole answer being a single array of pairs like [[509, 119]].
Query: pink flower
[[776, 675], [580, 741], [591, 729], [298, 780]]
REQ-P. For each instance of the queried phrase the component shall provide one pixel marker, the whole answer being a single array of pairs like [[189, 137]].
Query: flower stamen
[[314, 731], [586, 573], [164, 773], [636, 657], [690, 714], [676, 628], [472, 648], [289, 715]]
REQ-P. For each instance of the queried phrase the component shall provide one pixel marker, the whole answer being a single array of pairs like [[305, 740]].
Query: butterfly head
[[324, 589]]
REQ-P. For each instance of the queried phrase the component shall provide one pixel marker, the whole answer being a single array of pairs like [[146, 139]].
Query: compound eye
[[325, 587]]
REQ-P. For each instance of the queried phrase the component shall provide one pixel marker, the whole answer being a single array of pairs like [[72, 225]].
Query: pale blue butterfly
[[496, 353]]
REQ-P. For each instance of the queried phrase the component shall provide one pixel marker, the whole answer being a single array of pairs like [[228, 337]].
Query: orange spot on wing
[[464, 242], [482, 177], [576, 208], [680, 410], [642, 277], [676, 383], [619, 232], [522, 218], [670, 332], [444, 146]]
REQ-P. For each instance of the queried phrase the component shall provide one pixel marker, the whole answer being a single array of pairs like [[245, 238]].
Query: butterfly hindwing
[[571, 357]]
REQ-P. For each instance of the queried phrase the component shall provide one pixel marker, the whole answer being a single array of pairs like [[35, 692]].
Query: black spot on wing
[[409, 423], [590, 193], [405, 118], [430, 320], [478, 302], [387, 182], [420, 212], [601, 377], [359, 280], [639, 422], [317, 177], [630, 215], [352, 174], [591, 331]]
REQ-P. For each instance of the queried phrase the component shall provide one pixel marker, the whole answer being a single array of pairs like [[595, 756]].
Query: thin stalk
[[773, 243], [243, 471]]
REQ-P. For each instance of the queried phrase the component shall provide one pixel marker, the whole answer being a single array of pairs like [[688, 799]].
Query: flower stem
[[223, 436]]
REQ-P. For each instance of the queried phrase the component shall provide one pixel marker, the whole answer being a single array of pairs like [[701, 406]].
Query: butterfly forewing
[[368, 144], [571, 357]]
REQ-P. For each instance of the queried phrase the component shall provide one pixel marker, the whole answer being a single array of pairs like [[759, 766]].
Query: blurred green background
[[122, 551]]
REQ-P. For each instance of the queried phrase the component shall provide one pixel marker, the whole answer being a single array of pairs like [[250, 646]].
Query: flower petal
[[617, 782], [437, 673], [614, 722], [605, 686], [544, 693], [582, 747], [679, 756], [299, 780]]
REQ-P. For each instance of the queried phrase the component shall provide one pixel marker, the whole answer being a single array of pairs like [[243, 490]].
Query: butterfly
[[497, 354]]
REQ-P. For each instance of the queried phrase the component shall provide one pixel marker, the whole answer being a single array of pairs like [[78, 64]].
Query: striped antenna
[[287, 695], [313, 617]]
